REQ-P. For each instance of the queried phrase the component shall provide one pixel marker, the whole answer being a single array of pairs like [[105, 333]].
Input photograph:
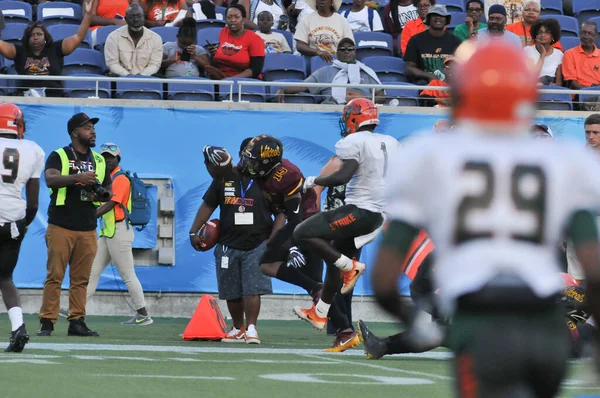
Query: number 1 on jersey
[[10, 165], [385, 158]]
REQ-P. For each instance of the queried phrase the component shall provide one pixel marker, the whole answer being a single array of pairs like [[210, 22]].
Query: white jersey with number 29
[[492, 204], [372, 151], [20, 160]]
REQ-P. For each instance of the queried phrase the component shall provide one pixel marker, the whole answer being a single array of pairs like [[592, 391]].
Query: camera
[[185, 56], [101, 193]]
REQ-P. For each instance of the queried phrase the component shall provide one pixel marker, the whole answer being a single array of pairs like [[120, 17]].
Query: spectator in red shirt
[[241, 52]]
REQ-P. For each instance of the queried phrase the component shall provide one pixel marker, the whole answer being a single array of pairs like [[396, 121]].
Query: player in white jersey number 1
[[496, 203], [364, 159], [21, 163]]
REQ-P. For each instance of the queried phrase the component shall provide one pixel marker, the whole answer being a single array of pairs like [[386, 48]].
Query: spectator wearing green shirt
[[472, 22]]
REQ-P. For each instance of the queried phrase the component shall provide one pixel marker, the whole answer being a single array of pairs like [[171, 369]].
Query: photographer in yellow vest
[[116, 237]]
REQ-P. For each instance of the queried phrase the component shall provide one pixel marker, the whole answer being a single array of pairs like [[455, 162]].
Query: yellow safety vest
[[61, 195], [109, 220]]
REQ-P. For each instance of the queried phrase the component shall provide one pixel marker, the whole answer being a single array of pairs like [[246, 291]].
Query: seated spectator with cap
[[496, 27], [363, 18], [416, 25], [426, 51], [438, 98], [133, 49], [581, 64], [275, 42], [319, 33], [345, 70], [472, 22]]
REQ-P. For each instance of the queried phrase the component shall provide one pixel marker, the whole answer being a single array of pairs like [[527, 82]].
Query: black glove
[[296, 258]]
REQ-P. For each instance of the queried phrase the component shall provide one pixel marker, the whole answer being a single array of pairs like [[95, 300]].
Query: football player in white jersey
[[22, 162], [496, 203], [364, 159]]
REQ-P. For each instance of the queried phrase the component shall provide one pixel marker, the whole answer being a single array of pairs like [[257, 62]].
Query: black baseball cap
[[79, 120]]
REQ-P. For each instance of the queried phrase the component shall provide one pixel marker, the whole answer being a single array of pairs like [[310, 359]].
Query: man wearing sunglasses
[[116, 237], [344, 70], [77, 177]]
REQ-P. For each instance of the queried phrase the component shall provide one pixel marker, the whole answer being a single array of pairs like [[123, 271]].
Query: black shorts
[[341, 226], [9, 249]]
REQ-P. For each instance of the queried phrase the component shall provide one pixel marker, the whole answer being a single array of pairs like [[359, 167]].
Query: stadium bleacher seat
[[552, 7], [284, 66], [59, 12], [16, 11], [569, 26], [59, 32], [569, 42], [299, 98], [138, 90], [372, 44], [191, 92], [249, 93], [586, 9], [409, 97], [208, 36], [453, 5], [317, 63], [289, 37], [346, 5], [388, 69], [13, 32], [87, 88], [209, 23], [457, 19], [101, 36], [588, 98], [220, 12], [555, 102], [166, 33], [84, 61]]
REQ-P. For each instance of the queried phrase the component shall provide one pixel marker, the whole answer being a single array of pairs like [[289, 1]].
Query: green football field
[[153, 361]]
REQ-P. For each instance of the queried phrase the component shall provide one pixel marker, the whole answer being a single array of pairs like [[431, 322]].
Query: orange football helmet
[[11, 120], [357, 113], [495, 86]]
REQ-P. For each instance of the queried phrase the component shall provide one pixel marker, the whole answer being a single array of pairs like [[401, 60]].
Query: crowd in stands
[[355, 42]]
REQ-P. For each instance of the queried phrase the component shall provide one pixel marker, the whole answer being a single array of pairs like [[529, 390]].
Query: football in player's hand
[[209, 234]]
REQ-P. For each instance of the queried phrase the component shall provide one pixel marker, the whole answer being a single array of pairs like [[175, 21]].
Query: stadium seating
[[569, 26], [457, 19], [59, 32], [453, 5], [59, 12], [586, 9], [388, 69], [317, 63], [249, 93], [191, 92], [101, 36], [85, 89], [166, 33], [299, 98], [371, 44], [555, 102], [84, 61], [552, 7], [220, 12], [407, 97], [346, 5], [210, 23], [284, 66], [289, 37], [138, 90], [13, 32], [588, 98], [16, 11], [569, 42], [208, 36]]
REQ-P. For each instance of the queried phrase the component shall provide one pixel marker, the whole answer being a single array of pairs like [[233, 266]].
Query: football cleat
[[374, 347], [18, 339], [349, 278], [310, 315], [344, 341]]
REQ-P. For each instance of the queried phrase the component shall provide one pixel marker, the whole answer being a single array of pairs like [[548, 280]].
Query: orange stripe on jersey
[[421, 247], [293, 191]]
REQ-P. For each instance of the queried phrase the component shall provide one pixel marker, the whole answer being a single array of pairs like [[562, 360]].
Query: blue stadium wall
[[168, 142]]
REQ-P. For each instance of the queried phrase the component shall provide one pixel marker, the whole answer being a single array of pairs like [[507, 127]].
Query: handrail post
[[239, 91]]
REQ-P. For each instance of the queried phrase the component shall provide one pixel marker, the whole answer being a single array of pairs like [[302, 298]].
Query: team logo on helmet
[[266, 152]]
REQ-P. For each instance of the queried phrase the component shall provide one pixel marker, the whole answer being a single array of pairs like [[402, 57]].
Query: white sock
[[15, 314], [322, 308], [251, 328], [344, 263]]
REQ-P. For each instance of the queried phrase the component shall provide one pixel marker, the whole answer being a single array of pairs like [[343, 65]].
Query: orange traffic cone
[[207, 323]]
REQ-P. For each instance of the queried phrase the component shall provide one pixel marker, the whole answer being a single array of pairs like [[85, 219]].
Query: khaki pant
[[118, 251], [77, 249]]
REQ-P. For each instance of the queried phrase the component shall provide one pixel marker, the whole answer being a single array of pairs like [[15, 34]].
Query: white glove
[[296, 258], [309, 183]]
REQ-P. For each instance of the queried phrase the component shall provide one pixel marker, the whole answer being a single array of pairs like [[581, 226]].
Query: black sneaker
[[375, 347], [18, 339], [46, 328], [79, 328]]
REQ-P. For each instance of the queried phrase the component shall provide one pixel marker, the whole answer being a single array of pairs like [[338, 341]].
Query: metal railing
[[249, 83]]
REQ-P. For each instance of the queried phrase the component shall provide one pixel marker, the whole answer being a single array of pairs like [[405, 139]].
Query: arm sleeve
[[302, 31], [53, 162], [256, 65], [211, 197], [111, 56], [348, 149], [256, 47], [121, 188], [57, 48]]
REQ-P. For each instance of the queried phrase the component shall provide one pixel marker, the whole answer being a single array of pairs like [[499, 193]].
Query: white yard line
[[163, 376]]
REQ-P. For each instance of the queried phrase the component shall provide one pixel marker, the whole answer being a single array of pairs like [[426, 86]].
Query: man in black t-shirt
[[426, 51], [77, 179], [246, 225]]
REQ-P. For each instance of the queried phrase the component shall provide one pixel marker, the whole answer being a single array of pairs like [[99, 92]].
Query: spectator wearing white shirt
[[275, 7], [319, 33], [275, 42], [363, 18], [547, 59]]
